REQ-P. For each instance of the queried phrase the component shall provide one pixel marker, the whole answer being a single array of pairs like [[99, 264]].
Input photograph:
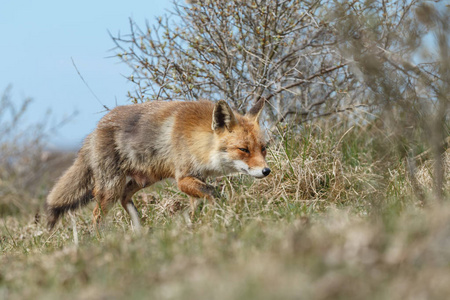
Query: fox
[[137, 145]]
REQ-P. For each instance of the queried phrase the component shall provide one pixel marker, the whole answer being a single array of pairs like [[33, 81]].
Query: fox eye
[[263, 149], [244, 150]]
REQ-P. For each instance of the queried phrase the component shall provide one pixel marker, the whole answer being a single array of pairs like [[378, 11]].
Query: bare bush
[[241, 50]]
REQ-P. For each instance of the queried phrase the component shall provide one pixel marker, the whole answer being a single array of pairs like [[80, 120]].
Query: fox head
[[240, 142]]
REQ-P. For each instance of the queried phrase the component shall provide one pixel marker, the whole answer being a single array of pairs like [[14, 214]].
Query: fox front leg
[[194, 187]]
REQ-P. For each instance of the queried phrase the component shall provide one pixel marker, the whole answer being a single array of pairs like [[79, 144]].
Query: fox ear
[[223, 116], [256, 110]]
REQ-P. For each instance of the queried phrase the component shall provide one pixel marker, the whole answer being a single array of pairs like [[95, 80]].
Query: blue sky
[[39, 40]]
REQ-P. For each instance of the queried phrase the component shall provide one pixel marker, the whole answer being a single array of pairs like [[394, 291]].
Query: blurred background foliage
[[27, 169]]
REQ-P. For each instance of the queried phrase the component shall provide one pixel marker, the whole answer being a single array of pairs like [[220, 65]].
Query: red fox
[[137, 145]]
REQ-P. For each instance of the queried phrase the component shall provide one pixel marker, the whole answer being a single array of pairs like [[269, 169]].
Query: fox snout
[[252, 171], [259, 173]]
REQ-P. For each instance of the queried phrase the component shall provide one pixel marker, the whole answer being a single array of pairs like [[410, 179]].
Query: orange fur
[[137, 145]]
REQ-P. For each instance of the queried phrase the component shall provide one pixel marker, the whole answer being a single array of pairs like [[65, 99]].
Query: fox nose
[[266, 171]]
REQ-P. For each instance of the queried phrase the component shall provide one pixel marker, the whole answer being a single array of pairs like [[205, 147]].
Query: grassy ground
[[334, 220]]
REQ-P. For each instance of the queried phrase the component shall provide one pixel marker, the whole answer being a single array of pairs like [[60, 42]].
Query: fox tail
[[73, 190]]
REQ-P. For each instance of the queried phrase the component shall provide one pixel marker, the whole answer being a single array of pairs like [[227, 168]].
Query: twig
[[87, 85]]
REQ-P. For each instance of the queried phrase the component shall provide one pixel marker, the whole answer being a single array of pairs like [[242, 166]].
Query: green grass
[[326, 224]]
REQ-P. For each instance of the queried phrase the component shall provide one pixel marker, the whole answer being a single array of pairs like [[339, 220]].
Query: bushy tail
[[73, 190]]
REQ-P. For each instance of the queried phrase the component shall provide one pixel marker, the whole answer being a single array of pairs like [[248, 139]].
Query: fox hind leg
[[106, 196], [135, 184], [105, 201], [130, 189]]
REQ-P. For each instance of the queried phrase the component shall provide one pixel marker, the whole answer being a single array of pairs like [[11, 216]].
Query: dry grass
[[311, 230]]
